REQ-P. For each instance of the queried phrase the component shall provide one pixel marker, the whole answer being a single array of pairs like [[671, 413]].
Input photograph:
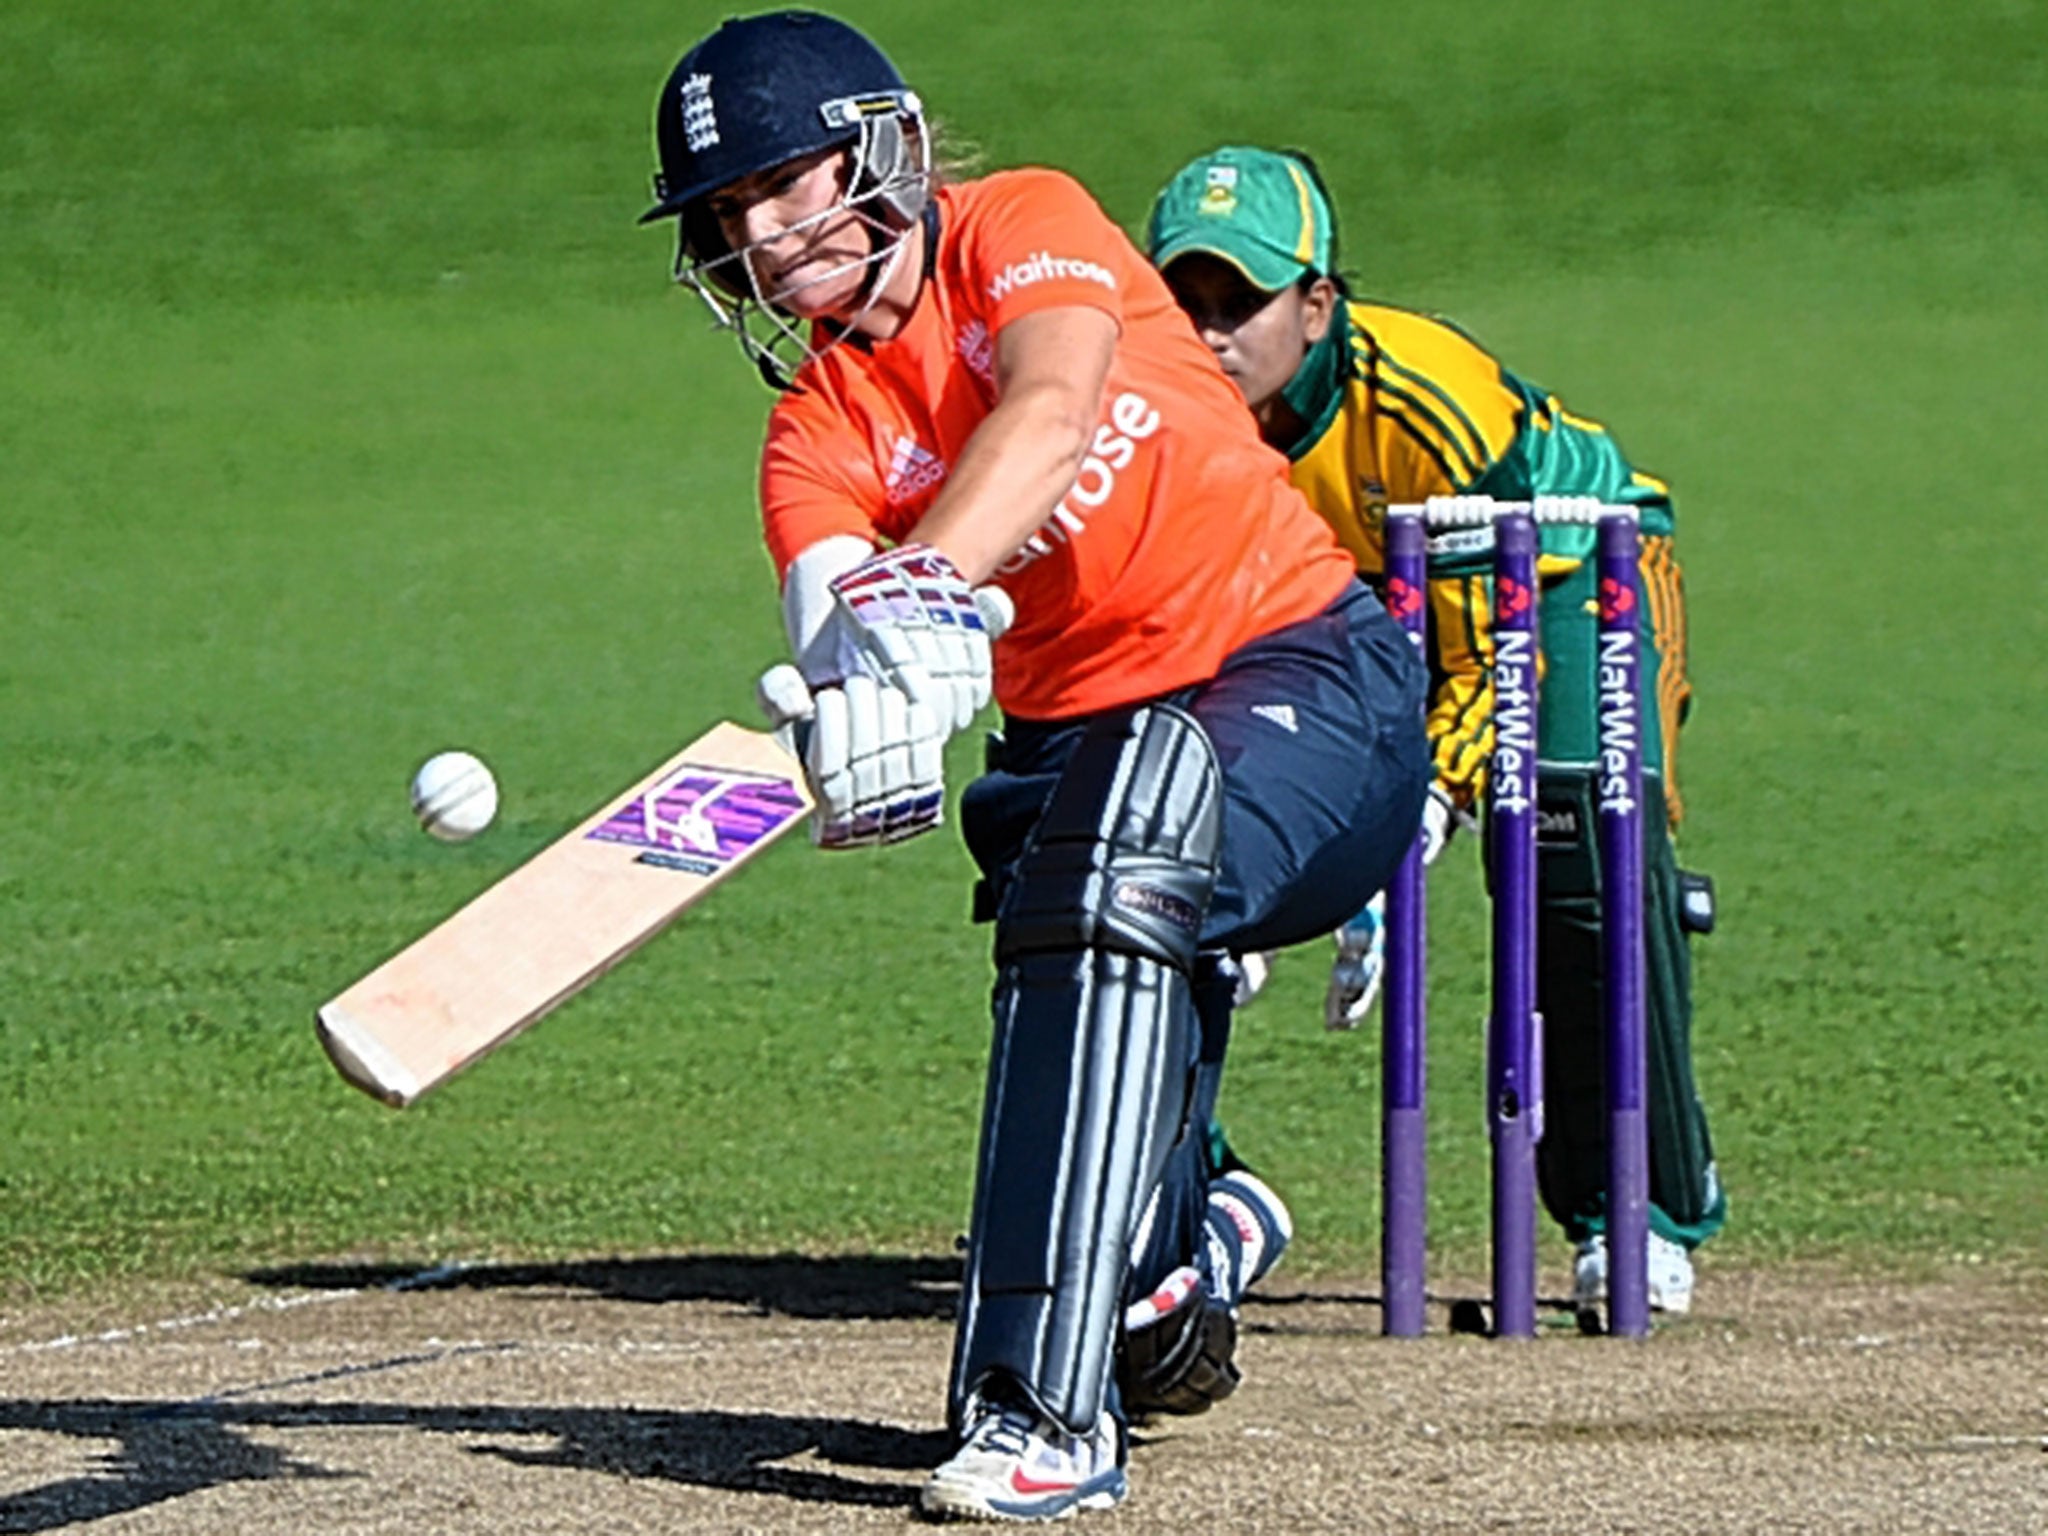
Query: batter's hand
[[908, 618], [875, 762]]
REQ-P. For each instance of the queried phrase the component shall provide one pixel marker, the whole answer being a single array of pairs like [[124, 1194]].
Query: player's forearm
[[1050, 366], [1021, 460]]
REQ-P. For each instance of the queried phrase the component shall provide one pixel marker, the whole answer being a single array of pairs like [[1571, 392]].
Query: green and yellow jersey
[[1401, 407]]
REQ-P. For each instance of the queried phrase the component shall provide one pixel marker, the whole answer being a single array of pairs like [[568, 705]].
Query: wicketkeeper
[[1376, 405], [1212, 732]]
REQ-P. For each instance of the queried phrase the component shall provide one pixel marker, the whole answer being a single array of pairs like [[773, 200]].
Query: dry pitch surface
[[796, 1395]]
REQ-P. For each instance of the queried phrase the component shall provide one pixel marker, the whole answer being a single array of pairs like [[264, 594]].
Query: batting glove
[[1360, 966], [873, 758], [908, 618]]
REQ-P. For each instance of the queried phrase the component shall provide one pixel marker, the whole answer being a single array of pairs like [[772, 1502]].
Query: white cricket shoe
[[1670, 1274], [1016, 1465]]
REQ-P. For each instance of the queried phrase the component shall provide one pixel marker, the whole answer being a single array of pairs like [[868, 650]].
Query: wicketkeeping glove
[[1361, 962], [1439, 820], [1360, 966], [1254, 970]]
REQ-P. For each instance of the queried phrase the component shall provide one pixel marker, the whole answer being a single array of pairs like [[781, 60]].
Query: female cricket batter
[[986, 384], [1377, 405]]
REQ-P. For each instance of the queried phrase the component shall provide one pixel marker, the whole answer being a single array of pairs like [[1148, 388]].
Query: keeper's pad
[[1686, 1202], [1093, 1062]]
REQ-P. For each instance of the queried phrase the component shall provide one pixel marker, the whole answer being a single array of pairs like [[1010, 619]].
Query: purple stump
[[1514, 1090], [1621, 923], [1403, 1007]]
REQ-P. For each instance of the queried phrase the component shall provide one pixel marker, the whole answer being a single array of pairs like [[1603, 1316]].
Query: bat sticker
[[701, 819]]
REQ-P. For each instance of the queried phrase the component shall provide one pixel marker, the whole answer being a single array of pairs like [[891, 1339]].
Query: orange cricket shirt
[[1181, 538]]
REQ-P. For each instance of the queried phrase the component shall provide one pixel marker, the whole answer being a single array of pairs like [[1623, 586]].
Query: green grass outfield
[[345, 416]]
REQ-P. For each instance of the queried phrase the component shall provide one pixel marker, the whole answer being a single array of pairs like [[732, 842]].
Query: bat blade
[[565, 917]]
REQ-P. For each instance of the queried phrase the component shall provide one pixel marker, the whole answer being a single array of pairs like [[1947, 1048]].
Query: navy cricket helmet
[[763, 91]]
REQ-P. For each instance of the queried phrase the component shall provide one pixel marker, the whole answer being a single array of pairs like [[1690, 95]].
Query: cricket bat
[[565, 917]]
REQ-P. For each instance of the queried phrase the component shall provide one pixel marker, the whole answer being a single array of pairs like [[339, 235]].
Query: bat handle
[[785, 699], [998, 610]]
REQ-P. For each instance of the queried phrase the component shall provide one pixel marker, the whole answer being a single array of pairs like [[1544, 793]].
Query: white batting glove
[[908, 618], [873, 759], [893, 656], [875, 762], [1360, 966]]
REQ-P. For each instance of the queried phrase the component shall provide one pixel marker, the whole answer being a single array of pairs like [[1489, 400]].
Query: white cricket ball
[[454, 796]]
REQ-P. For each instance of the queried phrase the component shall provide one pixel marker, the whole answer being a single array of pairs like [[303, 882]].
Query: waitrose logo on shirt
[[1045, 266], [1130, 420]]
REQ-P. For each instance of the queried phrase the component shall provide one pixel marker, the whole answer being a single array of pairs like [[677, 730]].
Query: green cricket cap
[[1257, 209]]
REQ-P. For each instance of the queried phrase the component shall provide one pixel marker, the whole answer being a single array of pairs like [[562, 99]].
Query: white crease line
[[796, 1344], [412, 1282], [332, 1373], [1960, 1443]]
